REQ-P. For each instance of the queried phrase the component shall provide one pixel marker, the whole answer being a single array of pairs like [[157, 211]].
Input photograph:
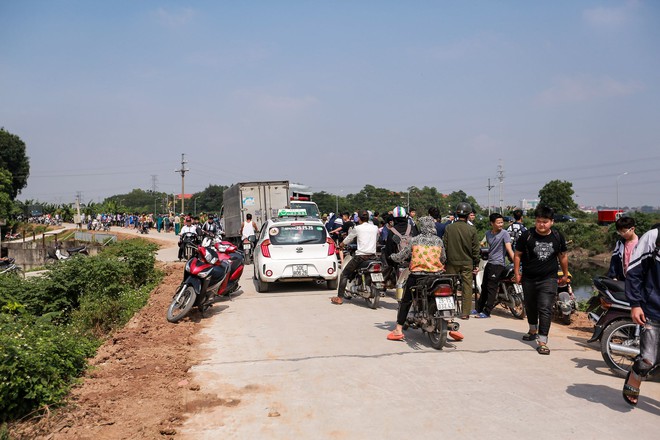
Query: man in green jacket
[[462, 247]]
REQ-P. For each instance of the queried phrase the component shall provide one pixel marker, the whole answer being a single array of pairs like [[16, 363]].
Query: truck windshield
[[311, 208]]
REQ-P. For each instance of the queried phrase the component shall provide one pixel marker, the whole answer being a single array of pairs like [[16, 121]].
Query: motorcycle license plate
[[300, 270], [377, 277], [444, 302], [247, 246], [518, 288]]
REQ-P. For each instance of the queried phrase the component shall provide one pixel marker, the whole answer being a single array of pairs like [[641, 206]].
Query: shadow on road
[[510, 334], [611, 397]]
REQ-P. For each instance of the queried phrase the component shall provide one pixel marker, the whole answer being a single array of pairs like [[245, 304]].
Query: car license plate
[[300, 270], [444, 302], [377, 277]]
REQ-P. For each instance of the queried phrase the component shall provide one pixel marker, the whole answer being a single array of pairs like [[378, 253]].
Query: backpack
[[402, 241], [516, 231]]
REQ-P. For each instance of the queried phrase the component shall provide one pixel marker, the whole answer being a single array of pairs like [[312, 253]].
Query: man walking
[[462, 249], [540, 249]]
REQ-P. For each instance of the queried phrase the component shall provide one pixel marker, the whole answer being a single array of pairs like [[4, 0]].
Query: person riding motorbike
[[427, 255], [366, 234], [398, 235], [210, 226], [187, 228]]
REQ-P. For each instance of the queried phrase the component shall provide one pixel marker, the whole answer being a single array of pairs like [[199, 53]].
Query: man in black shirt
[[541, 250]]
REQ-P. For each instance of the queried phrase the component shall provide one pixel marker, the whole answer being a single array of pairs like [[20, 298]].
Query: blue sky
[[335, 95]]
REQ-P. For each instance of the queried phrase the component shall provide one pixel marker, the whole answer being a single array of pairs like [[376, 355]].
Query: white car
[[294, 248]]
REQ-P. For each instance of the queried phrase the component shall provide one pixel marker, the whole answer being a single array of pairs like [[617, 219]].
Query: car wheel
[[332, 284], [262, 286]]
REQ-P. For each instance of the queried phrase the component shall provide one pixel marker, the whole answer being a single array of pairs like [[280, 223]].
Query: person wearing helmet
[[210, 227], [187, 228], [398, 234], [462, 247]]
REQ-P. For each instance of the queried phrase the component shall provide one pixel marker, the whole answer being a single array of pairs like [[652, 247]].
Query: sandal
[[464, 317], [530, 336], [630, 393], [336, 300], [543, 349], [394, 337]]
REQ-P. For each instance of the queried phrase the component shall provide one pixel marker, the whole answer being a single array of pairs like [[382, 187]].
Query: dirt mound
[[137, 383]]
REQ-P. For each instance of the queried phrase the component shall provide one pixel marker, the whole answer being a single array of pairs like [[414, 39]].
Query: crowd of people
[[540, 259]]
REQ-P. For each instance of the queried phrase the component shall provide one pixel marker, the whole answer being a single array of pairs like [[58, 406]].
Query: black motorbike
[[609, 310], [188, 243], [434, 306], [509, 294], [8, 266], [368, 281]]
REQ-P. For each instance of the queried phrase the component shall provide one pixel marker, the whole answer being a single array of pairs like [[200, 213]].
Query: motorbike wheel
[[182, 304], [375, 300], [620, 332], [248, 259], [518, 307], [438, 337], [566, 319]]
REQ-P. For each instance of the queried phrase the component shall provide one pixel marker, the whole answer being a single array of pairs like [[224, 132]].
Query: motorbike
[[8, 266], [368, 281], [189, 242], [248, 248], [564, 306], [56, 254], [609, 310], [509, 294], [434, 306], [213, 273], [144, 228], [106, 226]]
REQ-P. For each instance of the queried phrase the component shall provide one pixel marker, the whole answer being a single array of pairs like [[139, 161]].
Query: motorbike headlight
[[204, 274], [188, 266]]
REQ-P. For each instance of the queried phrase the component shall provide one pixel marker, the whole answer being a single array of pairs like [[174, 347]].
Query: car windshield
[[312, 209], [297, 234]]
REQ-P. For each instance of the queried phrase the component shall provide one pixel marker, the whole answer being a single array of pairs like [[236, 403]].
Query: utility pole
[[489, 187], [183, 179], [500, 177], [79, 219]]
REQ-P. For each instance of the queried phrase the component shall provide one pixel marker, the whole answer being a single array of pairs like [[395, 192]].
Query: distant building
[[529, 204]]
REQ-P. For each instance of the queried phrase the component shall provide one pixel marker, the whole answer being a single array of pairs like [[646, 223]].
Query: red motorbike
[[212, 273]]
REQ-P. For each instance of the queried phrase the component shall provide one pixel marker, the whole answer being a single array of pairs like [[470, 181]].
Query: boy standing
[[499, 246], [540, 249], [625, 227]]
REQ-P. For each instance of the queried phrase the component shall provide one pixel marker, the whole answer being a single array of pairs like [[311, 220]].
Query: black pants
[[492, 274], [539, 296], [348, 271], [406, 301]]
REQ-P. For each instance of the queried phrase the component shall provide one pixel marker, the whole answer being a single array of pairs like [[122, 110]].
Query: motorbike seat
[[73, 250], [366, 263], [615, 287]]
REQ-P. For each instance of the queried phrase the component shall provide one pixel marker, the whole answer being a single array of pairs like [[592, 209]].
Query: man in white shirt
[[187, 228], [366, 234]]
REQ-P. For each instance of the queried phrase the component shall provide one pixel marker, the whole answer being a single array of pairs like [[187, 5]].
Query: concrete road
[[289, 364]]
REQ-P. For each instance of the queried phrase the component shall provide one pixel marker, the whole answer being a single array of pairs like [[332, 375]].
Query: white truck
[[263, 200]]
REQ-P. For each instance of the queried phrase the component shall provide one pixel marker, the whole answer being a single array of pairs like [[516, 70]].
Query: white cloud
[[610, 17], [174, 19], [586, 88]]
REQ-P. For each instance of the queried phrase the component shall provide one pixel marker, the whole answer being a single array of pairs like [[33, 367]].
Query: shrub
[[138, 254], [38, 363]]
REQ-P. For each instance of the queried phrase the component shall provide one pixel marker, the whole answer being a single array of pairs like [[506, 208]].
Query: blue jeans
[[539, 296]]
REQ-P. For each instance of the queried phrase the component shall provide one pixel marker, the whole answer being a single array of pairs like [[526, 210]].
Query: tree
[[210, 199], [14, 160], [558, 194], [6, 204]]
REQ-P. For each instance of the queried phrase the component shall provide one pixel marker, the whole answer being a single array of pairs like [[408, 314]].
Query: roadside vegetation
[[51, 325]]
